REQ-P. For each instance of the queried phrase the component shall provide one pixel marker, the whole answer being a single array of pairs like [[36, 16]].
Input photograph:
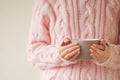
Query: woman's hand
[[101, 52], [69, 51]]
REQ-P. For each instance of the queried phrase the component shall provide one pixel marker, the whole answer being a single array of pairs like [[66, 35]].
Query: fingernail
[[91, 54], [78, 49], [78, 46], [91, 46], [90, 50], [94, 44], [75, 43]]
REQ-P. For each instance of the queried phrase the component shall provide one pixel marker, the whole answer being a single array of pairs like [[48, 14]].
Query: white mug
[[85, 46]]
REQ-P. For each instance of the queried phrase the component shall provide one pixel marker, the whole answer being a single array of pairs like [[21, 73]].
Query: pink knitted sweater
[[54, 20]]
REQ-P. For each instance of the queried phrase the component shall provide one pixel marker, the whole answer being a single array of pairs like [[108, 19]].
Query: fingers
[[100, 52], [97, 57], [72, 55], [97, 49], [94, 54], [69, 48], [70, 51], [103, 42], [66, 41], [101, 47], [63, 48]]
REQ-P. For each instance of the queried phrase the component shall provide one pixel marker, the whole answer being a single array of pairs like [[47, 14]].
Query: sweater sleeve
[[41, 53], [114, 59]]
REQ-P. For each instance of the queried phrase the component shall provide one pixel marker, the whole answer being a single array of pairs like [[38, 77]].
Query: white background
[[15, 18]]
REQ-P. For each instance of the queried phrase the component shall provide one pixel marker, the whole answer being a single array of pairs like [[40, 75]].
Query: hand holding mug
[[101, 52], [69, 51]]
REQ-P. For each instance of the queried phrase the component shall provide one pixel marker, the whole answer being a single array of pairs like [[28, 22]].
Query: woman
[[56, 22]]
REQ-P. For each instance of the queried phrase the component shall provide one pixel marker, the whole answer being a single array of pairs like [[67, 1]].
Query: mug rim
[[87, 39]]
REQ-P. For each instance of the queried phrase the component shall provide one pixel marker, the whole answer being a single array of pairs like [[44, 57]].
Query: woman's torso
[[83, 19]]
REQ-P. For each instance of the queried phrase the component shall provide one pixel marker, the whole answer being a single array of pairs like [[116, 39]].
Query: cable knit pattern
[[54, 20]]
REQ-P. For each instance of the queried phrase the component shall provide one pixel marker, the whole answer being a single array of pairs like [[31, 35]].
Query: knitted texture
[[54, 20]]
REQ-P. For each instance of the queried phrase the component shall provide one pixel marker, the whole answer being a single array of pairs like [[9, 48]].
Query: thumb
[[66, 41], [104, 42]]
